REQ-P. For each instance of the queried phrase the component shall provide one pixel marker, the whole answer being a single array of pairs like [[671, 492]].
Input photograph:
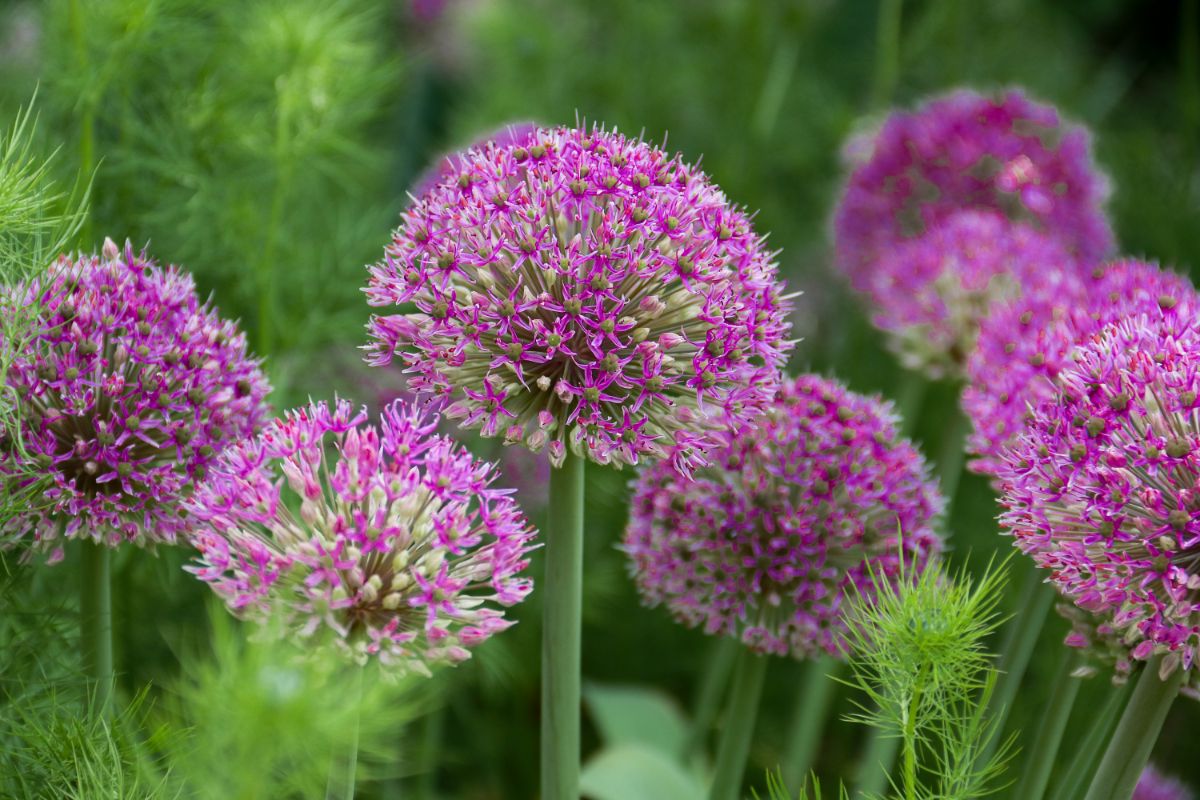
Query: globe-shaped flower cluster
[[388, 542], [796, 511], [127, 388], [587, 291]]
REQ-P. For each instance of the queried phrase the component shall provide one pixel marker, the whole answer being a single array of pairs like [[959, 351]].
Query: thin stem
[[878, 758], [1043, 754], [713, 683], [808, 720], [1129, 749], [951, 456], [561, 635], [887, 52], [738, 728], [1083, 761], [343, 775], [95, 626], [910, 743]]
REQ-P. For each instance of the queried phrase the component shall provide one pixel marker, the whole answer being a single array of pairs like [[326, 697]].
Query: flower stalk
[[95, 629], [748, 678], [1044, 752], [812, 710]]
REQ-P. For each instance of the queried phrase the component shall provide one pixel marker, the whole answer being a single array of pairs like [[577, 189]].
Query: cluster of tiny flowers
[[513, 134], [766, 544], [583, 291], [1024, 345], [930, 293], [965, 151], [128, 387], [389, 542], [1154, 785], [1103, 487]]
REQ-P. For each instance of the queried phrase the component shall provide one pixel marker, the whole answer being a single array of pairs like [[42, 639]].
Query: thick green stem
[[738, 728], [562, 594], [1044, 752], [887, 52], [343, 775], [1083, 761], [878, 757], [435, 723], [95, 626], [713, 683], [951, 455], [808, 720], [87, 113], [913, 388], [1129, 749]]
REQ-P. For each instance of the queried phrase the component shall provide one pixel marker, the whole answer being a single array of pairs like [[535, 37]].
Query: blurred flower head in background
[[1154, 785], [765, 544]]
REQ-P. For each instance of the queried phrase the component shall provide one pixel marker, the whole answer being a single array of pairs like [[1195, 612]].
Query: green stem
[[738, 728], [95, 626], [1083, 761], [878, 758], [913, 388], [562, 595], [435, 724], [712, 685], [1129, 749], [808, 720], [910, 741], [951, 456], [887, 52], [1044, 752], [87, 116], [343, 775]]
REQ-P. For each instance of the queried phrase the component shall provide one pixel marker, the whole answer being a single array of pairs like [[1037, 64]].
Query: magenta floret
[[127, 389], [765, 544], [447, 166], [585, 291], [389, 542]]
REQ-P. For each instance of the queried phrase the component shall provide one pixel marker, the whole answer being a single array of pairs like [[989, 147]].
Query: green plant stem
[[1131, 743], [738, 728], [343, 775], [435, 724], [951, 455], [1043, 753], [87, 115], [808, 720], [561, 635], [910, 741], [713, 683], [1083, 761], [887, 52], [913, 388], [878, 757], [95, 626]]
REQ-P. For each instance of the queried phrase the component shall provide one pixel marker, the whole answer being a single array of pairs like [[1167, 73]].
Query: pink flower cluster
[[1103, 486], [128, 388], [764, 544], [931, 292], [391, 544], [583, 290], [1154, 785], [1024, 345]]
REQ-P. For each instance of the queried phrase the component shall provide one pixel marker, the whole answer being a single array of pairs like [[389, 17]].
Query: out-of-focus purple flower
[[931, 293], [127, 389], [1153, 785], [764, 544], [1102, 490], [1025, 344], [389, 542], [966, 150], [585, 291], [447, 166]]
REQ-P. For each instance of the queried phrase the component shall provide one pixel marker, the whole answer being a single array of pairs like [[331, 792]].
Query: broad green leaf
[[637, 772], [637, 715]]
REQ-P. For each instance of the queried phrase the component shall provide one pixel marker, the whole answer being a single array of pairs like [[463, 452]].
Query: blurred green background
[[267, 146]]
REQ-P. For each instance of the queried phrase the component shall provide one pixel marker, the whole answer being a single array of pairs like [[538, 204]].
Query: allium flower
[[513, 134], [584, 290], [931, 292], [388, 541], [1153, 785], [966, 150], [128, 388], [1102, 487], [764, 544], [1025, 344]]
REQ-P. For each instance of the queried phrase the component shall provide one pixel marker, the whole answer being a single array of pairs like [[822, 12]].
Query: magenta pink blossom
[[127, 389], [769, 542], [1154, 785], [389, 542]]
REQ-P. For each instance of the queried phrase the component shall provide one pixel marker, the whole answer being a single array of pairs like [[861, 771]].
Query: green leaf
[[637, 715], [637, 772]]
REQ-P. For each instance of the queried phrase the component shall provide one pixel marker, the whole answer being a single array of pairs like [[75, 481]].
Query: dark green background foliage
[[267, 146]]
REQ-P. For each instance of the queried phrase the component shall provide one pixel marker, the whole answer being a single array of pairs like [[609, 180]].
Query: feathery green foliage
[[810, 790]]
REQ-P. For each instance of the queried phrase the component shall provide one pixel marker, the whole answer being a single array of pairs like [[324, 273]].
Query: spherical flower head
[[1154, 785], [584, 291], [794, 513], [128, 387], [1102, 487], [514, 134], [968, 150], [1025, 344], [931, 293], [388, 542]]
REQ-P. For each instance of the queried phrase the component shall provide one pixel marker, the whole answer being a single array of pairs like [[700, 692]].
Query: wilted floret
[[127, 388], [583, 290], [389, 541], [764, 544]]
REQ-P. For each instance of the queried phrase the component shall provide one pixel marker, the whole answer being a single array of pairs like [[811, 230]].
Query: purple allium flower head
[[128, 388], [930, 293], [967, 150], [764, 544], [388, 541], [1025, 344], [448, 166], [1154, 785], [586, 291], [1103, 487]]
